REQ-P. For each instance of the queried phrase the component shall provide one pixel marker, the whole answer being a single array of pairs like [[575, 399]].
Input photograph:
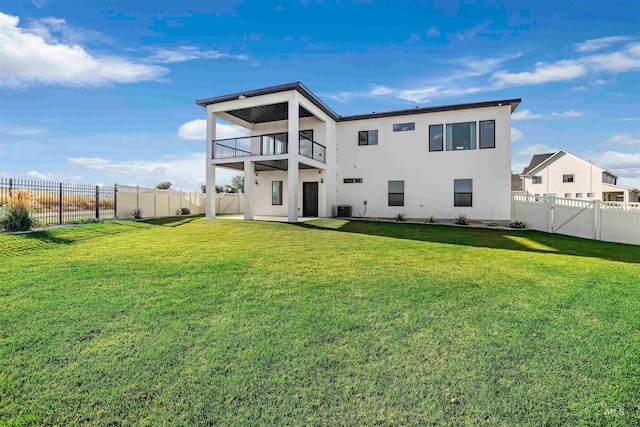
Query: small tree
[[203, 189], [219, 189], [237, 182], [164, 185]]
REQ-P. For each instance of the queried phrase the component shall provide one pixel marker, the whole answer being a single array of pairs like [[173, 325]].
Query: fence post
[[155, 202], [551, 201], [60, 205], [115, 201], [138, 197], [180, 208], [597, 220], [10, 187], [169, 198], [97, 202]]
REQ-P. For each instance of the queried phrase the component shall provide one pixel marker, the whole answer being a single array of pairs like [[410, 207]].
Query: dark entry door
[[309, 199]]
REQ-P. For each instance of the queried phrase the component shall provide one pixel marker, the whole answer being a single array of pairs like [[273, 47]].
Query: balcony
[[265, 145]]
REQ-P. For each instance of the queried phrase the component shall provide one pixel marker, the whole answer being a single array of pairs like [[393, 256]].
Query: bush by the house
[[137, 213], [462, 220], [518, 224], [15, 215], [400, 217], [185, 211]]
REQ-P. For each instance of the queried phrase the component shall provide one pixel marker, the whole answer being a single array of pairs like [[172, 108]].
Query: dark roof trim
[[321, 105], [273, 89], [513, 102]]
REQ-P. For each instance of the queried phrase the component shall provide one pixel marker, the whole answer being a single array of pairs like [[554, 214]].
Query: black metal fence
[[61, 202]]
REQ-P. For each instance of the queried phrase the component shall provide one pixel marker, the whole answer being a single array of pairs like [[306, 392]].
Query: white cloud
[[20, 130], [543, 73], [27, 57], [625, 165], [197, 130], [186, 171], [628, 119], [530, 150], [598, 44], [528, 115], [623, 139], [189, 53], [433, 31], [53, 176], [621, 61], [516, 135]]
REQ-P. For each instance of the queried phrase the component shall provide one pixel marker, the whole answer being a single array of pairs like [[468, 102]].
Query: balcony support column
[[293, 157], [210, 208], [249, 179]]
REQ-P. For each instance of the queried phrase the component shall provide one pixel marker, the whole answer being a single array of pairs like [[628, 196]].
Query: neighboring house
[[516, 182], [302, 159], [563, 174]]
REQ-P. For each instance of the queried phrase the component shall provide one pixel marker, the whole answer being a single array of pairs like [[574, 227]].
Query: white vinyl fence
[[158, 203], [590, 219]]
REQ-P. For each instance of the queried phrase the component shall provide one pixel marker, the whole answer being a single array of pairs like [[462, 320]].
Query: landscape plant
[[15, 215], [462, 220]]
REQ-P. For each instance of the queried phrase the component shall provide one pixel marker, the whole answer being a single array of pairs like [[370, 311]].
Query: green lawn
[[196, 322]]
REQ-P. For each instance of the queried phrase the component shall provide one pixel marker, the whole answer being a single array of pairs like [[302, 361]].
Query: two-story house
[[302, 159], [563, 174]]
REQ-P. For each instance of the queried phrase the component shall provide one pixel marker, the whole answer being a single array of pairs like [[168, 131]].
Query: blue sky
[[103, 91]]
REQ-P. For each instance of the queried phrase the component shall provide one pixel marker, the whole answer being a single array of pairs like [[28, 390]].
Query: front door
[[310, 199]]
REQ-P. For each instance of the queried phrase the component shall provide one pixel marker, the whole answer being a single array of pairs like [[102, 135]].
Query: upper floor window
[[353, 181], [368, 137], [400, 127], [536, 179], [435, 138], [567, 177], [607, 178], [461, 136], [488, 134]]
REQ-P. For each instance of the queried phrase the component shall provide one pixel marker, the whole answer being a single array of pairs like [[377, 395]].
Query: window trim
[[367, 132], [442, 143], [573, 178], [480, 134], [280, 196], [412, 126], [389, 193], [470, 205]]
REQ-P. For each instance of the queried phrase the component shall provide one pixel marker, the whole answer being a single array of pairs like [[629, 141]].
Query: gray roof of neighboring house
[[536, 160], [318, 103]]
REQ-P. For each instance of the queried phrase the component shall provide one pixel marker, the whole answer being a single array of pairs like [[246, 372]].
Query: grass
[[185, 321]]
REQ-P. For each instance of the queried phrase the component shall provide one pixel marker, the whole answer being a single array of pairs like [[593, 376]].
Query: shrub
[[15, 215], [431, 220], [462, 220], [518, 224], [400, 217], [86, 220], [184, 211], [137, 213]]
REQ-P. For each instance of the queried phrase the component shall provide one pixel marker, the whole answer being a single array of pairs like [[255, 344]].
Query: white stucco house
[[302, 159], [563, 174]]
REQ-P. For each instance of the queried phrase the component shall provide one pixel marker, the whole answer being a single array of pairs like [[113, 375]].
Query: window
[[307, 134], [567, 195], [578, 195], [607, 178], [396, 193], [590, 195], [368, 137], [400, 127], [462, 192], [488, 134], [536, 180], [276, 193], [461, 136], [435, 138], [567, 177], [353, 180]]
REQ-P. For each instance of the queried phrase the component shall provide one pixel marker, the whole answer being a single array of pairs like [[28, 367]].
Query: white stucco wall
[[262, 191], [428, 176]]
